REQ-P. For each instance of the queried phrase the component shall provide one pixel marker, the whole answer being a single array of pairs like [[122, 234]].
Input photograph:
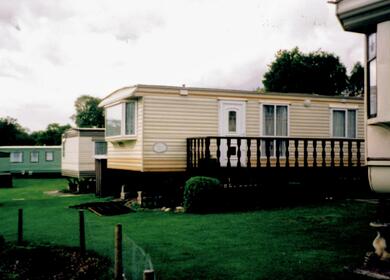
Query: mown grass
[[307, 242]]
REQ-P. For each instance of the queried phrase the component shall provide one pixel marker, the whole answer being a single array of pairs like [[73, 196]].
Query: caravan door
[[232, 123]]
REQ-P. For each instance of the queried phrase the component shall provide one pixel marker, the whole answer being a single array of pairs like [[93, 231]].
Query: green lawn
[[311, 242]]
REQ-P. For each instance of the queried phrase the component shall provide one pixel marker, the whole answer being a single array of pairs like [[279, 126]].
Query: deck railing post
[[314, 153], [323, 154], [219, 152], [198, 151], [358, 153], [268, 151], [228, 152], [207, 151], [341, 152], [350, 153], [248, 152], [287, 153], [258, 153], [189, 155], [332, 153], [238, 152], [277, 151], [305, 163], [296, 144]]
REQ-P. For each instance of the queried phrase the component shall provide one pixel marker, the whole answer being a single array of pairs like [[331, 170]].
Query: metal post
[[118, 269], [20, 226], [149, 274], [82, 232]]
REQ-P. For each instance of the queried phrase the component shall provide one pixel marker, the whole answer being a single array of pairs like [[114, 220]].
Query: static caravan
[[29, 160], [4, 162], [80, 147], [372, 18], [164, 129]]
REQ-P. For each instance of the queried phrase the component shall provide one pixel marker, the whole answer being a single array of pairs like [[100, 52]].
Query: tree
[[356, 80], [50, 136], [317, 72], [88, 114], [12, 133]]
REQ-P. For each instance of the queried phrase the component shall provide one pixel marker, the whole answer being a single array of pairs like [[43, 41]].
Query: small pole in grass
[[149, 274], [82, 232], [20, 226], [118, 269]]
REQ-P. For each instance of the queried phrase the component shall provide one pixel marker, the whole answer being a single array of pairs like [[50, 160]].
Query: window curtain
[[268, 120], [130, 118], [338, 123], [351, 124], [281, 121], [281, 128]]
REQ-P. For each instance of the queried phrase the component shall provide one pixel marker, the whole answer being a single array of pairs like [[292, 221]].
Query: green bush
[[200, 193]]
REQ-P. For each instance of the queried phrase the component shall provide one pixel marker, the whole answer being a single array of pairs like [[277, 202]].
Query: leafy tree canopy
[[12, 133], [88, 114], [356, 80], [316, 72], [50, 136]]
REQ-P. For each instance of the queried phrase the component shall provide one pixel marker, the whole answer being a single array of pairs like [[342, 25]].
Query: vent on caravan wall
[[183, 90]]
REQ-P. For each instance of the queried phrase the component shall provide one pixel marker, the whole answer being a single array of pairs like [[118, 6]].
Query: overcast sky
[[53, 51]]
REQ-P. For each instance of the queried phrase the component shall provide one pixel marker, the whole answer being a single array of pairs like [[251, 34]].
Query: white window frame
[[31, 156], [52, 155], [12, 158], [346, 122], [123, 135], [263, 155]]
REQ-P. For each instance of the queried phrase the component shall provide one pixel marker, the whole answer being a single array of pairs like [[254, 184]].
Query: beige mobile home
[[80, 147], [148, 127]]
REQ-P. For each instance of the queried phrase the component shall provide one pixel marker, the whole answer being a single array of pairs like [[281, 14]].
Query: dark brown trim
[[78, 174], [378, 159]]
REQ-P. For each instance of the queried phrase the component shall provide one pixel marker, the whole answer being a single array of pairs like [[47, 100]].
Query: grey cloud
[[12, 69], [128, 26]]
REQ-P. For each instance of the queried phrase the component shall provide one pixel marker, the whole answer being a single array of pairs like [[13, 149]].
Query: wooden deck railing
[[256, 152]]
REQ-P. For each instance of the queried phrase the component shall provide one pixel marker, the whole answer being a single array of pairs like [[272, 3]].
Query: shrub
[[199, 194]]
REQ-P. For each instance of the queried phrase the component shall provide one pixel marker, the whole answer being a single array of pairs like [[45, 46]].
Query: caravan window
[[344, 123], [16, 157], [34, 156], [49, 156], [114, 120], [100, 148], [275, 123], [371, 66], [121, 119]]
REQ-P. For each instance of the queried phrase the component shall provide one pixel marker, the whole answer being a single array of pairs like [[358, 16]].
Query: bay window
[[371, 66], [121, 119]]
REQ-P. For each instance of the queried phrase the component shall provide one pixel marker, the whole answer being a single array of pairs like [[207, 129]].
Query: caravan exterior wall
[[166, 116], [78, 151], [33, 159], [372, 18]]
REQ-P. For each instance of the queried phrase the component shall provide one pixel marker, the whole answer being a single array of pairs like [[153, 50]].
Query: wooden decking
[[320, 165], [258, 152]]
